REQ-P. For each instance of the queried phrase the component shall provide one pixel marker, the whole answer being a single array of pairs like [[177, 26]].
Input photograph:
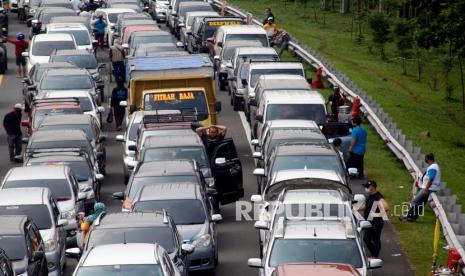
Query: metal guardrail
[[384, 126]]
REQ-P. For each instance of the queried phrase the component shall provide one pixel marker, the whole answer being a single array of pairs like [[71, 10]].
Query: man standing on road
[[357, 146], [117, 60], [430, 183], [374, 210], [20, 46], [213, 133], [336, 100], [12, 125], [119, 94]]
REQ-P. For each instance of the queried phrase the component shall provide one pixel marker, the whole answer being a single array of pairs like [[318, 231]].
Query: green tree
[[403, 31], [380, 29]]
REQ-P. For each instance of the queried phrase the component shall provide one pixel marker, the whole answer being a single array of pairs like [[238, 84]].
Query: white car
[[110, 15], [86, 101], [160, 10], [77, 30], [41, 207], [42, 46], [124, 259]]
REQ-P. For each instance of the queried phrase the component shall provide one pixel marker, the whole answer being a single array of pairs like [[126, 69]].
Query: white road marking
[[246, 127]]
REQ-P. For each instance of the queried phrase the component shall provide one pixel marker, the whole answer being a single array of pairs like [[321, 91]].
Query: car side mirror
[[25, 123], [101, 109], [217, 217], [18, 159], [220, 161], [25, 54], [38, 255], [32, 87], [359, 198], [216, 57], [261, 225], [255, 263], [187, 249], [118, 195], [132, 148], [94, 43], [189, 32], [220, 44], [62, 222], [364, 224], [257, 155], [259, 172], [99, 177], [210, 40], [255, 142], [217, 106], [24, 80], [375, 263], [74, 253], [120, 138], [81, 196], [353, 171], [212, 192], [256, 198], [244, 82]]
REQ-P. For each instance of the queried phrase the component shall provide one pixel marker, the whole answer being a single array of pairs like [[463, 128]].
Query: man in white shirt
[[431, 183]]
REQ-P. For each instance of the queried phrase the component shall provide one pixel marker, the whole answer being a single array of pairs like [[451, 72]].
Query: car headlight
[[68, 214], [50, 245], [210, 181], [203, 240]]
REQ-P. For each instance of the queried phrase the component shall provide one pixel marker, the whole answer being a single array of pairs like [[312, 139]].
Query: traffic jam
[[162, 80]]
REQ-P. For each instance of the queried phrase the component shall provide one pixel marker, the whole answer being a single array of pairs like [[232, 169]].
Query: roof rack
[[169, 118], [56, 100], [30, 152]]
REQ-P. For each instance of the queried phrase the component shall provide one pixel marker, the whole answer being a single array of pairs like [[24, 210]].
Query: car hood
[[191, 232], [69, 93], [39, 59], [47, 234], [66, 205], [20, 266]]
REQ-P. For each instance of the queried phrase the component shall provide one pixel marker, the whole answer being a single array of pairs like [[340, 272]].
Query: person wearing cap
[[270, 28], [337, 144], [12, 125], [357, 146], [21, 45], [430, 183], [374, 210], [268, 14]]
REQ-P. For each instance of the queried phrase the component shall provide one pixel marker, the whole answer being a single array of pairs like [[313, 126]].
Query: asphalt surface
[[237, 239]]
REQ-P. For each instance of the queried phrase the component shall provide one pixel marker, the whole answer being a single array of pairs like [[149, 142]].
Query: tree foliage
[[381, 30]]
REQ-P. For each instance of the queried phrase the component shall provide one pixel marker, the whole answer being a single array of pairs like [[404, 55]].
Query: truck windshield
[[188, 102]]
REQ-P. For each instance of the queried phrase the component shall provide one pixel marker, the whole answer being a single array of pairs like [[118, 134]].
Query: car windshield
[[139, 182], [161, 235], [87, 128], [113, 17], [186, 9], [81, 61], [165, 132], [310, 162], [40, 114], [228, 52], [38, 213], [150, 39], [302, 211], [80, 168], [82, 37], [315, 250], [14, 246], [68, 82], [190, 153], [188, 102], [45, 48], [121, 270], [45, 18], [41, 70], [262, 38], [60, 188], [85, 104], [256, 73], [183, 212], [315, 112]]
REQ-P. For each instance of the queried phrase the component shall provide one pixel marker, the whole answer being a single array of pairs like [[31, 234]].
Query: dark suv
[[22, 243]]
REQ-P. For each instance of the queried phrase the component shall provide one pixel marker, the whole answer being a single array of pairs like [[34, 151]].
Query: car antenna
[[314, 231], [124, 237]]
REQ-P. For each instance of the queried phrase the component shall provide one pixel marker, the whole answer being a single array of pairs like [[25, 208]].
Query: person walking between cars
[[99, 30], [12, 125], [21, 11], [374, 210], [335, 100], [119, 94], [117, 60], [20, 46], [86, 222], [357, 146], [211, 134], [430, 183]]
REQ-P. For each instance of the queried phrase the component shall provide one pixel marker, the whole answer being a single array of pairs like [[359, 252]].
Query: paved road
[[237, 239]]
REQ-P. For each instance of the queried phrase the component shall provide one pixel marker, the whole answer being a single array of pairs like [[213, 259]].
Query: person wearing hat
[[430, 183], [20, 46], [12, 125], [357, 146], [374, 210]]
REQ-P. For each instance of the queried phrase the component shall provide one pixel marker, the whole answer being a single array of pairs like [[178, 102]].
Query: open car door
[[227, 170]]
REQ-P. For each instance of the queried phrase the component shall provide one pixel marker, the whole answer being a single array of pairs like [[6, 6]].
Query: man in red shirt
[[21, 45]]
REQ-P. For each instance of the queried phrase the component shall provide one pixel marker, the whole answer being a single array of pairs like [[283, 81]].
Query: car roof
[[315, 230], [293, 97], [36, 172], [52, 37], [65, 93], [59, 64], [193, 3], [72, 52], [67, 72], [58, 135], [167, 191], [52, 158], [68, 119], [314, 269], [256, 51], [284, 175], [56, 105], [173, 141], [304, 149], [296, 134], [122, 254], [116, 10], [275, 65], [151, 33], [54, 1], [241, 43], [292, 124], [65, 26], [201, 13], [317, 196], [132, 220], [136, 28], [166, 167], [293, 82], [28, 196], [12, 225], [243, 29]]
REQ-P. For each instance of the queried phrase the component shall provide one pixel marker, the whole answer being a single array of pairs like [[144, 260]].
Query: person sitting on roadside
[[268, 14], [213, 133], [270, 28]]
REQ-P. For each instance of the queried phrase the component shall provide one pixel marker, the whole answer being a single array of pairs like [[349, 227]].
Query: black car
[[3, 57], [148, 227], [22, 243], [6, 267], [3, 22]]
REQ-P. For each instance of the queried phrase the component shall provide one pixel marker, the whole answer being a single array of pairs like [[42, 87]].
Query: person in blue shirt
[[357, 147], [119, 94], [99, 30]]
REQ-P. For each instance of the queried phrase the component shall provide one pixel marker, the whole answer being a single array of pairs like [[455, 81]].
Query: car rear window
[[45, 48], [183, 211], [140, 182], [39, 214], [60, 188], [14, 246]]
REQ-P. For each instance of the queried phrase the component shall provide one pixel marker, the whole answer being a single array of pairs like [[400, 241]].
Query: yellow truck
[[184, 83]]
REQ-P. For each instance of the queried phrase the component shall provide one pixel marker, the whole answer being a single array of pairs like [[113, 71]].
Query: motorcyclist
[[99, 30], [20, 46]]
